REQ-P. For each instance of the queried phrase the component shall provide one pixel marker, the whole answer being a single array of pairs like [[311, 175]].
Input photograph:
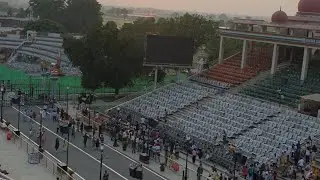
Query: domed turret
[[309, 6], [279, 17]]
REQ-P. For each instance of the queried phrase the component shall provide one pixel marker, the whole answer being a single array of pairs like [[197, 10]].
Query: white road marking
[[34, 143], [129, 158], [124, 178]]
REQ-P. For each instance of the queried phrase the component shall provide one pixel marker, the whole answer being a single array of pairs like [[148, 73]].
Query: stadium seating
[[285, 86], [211, 82], [45, 48], [168, 100], [10, 42], [258, 59], [259, 129]]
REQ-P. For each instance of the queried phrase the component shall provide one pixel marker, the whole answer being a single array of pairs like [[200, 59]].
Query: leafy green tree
[[22, 13], [10, 12], [223, 17], [48, 9], [82, 15], [76, 15], [104, 58], [44, 26]]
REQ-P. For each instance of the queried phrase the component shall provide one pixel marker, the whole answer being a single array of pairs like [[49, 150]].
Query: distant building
[[291, 37]]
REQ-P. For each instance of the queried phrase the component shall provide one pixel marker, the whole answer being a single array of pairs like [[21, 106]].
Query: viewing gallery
[[263, 100]]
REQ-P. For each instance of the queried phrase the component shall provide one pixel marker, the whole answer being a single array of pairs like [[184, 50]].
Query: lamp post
[[67, 103], [101, 158], [40, 138], [3, 90], [19, 108], [67, 162], [89, 114], [187, 143]]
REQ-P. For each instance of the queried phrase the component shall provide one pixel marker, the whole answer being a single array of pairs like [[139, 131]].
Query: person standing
[[54, 115], [251, 172], [81, 127], [105, 175], [134, 146], [56, 146], [58, 127], [73, 132], [101, 139], [93, 131], [78, 124], [194, 156], [97, 142], [199, 172], [308, 155], [85, 139]]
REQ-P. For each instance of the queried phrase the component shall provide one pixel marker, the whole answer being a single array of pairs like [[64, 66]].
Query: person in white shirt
[[308, 155], [133, 138], [301, 163], [43, 113]]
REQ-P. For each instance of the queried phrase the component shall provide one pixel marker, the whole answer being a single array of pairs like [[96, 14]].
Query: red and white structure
[[286, 34]]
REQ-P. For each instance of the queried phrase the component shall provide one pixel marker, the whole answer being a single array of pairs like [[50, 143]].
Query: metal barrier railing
[[5, 177], [44, 158]]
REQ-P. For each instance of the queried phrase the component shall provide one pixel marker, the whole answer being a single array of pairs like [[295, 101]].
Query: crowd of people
[[141, 137]]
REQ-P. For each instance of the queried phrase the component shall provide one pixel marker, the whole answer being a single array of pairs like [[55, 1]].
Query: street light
[[67, 162], [19, 107], [187, 143], [3, 90], [67, 103], [101, 158], [40, 138]]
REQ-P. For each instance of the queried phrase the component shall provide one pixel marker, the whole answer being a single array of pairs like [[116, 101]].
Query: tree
[[104, 58], [44, 26], [75, 15], [82, 15], [124, 13], [223, 17], [10, 12], [48, 9], [22, 13]]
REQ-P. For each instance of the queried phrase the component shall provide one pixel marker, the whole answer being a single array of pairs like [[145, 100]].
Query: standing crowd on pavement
[[141, 137]]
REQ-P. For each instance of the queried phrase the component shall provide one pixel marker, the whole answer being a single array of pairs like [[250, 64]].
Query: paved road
[[82, 163]]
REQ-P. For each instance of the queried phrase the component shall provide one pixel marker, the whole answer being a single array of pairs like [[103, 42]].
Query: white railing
[[5, 177], [47, 160]]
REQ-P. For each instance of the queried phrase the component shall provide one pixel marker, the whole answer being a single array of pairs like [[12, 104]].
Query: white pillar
[[244, 54], [275, 57], [305, 64], [221, 50]]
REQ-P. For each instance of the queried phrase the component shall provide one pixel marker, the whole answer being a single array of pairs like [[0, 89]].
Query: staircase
[[13, 55], [259, 59]]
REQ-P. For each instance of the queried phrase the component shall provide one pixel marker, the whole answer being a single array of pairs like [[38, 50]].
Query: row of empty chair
[[212, 82], [261, 130], [169, 99], [258, 59], [285, 86]]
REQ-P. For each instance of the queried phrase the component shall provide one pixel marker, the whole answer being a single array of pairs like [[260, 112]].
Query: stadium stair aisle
[[230, 72]]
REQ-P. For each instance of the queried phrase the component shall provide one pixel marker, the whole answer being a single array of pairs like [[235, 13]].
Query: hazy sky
[[249, 7]]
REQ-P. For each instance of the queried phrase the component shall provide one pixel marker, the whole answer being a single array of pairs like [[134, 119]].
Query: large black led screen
[[168, 50]]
